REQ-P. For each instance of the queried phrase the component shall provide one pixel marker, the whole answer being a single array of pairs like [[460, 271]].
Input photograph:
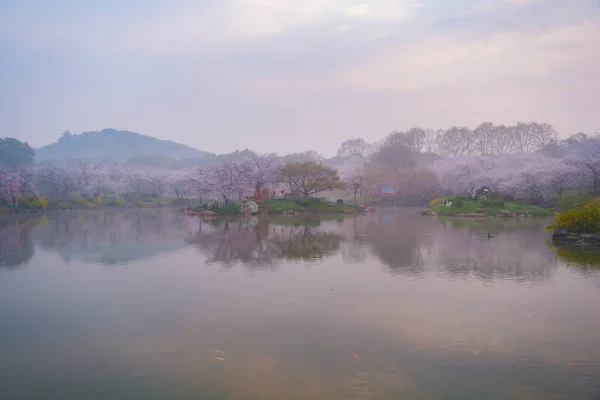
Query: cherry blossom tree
[[259, 170], [9, 185], [585, 156], [84, 171], [226, 181], [55, 181]]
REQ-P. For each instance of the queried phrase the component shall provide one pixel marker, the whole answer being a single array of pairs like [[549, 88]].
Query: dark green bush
[[229, 209], [458, 203], [307, 201], [463, 198], [340, 201], [507, 197]]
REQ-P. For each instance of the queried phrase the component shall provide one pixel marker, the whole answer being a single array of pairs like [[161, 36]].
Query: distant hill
[[116, 145]]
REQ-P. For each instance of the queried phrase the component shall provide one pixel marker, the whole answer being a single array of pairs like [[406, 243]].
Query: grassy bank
[[284, 206], [40, 204], [314, 206], [464, 205]]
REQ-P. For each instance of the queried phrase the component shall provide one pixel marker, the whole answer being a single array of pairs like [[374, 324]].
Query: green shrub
[[229, 209], [179, 201], [458, 203], [585, 219], [499, 203], [279, 206], [571, 201], [463, 198], [340, 201], [307, 201]]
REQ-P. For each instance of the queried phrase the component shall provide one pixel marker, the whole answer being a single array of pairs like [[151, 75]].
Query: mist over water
[[154, 305]]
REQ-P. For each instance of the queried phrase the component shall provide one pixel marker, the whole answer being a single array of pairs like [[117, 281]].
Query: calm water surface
[[156, 305]]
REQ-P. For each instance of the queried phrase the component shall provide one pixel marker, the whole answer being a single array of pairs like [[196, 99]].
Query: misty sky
[[292, 75]]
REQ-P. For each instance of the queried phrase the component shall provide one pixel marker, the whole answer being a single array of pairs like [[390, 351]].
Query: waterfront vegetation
[[580, 215], [493, 207], [77, 202], [310, 205]]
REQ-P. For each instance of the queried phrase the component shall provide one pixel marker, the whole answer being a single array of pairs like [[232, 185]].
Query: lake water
[[148, 304]]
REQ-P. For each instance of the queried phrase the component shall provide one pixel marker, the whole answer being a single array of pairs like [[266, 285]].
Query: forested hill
[[113, 144]]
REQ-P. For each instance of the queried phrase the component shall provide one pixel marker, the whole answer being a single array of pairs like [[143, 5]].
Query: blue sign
[[388, 190]]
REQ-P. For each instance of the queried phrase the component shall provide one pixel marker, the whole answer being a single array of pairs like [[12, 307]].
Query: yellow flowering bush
[[33, 203], [435, 202], [81, 201], [585, 219]]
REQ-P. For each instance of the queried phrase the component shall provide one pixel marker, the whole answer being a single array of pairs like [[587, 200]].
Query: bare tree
[[355, 182], [355, 147], [394, 154], [430, 140], [502, 142], [454, 141], [484, 138]]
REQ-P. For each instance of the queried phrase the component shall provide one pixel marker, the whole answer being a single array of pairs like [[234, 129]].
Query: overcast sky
[[293, 75]]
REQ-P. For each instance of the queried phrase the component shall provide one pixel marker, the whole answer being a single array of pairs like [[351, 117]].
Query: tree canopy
[[308, 178], [394, 154], [15, 152]]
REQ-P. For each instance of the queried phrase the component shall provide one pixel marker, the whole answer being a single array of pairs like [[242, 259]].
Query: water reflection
[[16, 243], [586, 257], [408, 245], [394, 306]]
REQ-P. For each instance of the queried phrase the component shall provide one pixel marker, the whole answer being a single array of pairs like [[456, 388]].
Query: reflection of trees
[[231, 241], [303, 243], [111, 237], [407, 244], [411, 245], [516, 251], [16, 242], [507, 256], [255, 241], [398, 241], [584, 258]]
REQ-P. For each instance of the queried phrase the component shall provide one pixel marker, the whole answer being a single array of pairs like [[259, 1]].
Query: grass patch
[[490, 210], [315, 206]]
